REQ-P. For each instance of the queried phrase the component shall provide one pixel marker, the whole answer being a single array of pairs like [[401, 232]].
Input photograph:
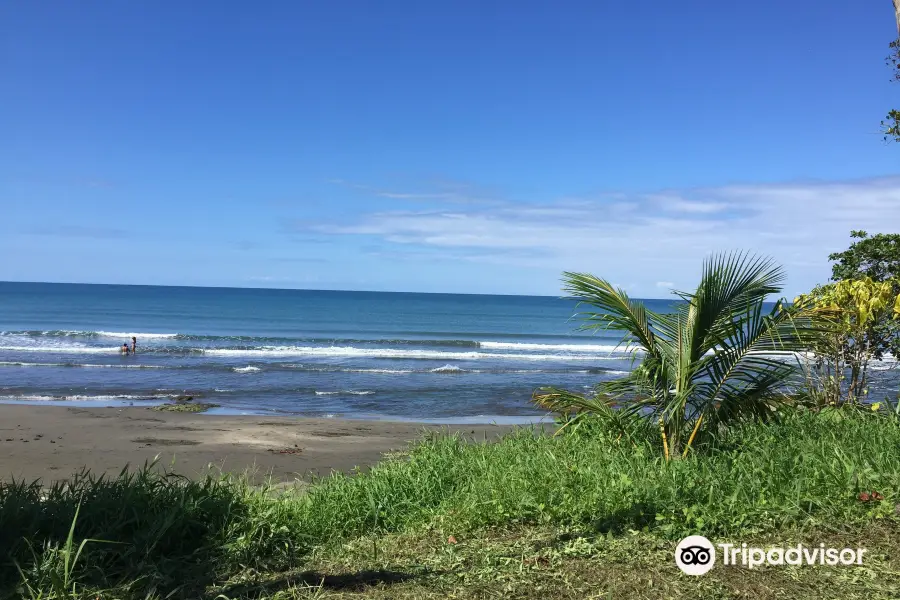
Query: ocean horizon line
[[324, 290]]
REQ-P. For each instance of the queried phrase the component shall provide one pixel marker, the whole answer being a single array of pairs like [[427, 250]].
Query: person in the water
[[133, 344], [124, 349]]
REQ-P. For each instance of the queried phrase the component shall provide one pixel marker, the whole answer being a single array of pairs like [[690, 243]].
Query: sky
[[466, 147]]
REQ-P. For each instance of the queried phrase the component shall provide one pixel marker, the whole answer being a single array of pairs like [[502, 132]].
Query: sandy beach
[[52, 442]]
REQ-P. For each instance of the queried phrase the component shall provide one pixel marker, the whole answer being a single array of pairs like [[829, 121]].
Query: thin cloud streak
[[666, 233]]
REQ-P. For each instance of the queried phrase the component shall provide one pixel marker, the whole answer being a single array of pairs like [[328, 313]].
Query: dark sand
[[51, 442]]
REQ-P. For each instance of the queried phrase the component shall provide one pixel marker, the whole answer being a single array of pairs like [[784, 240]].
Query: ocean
[[379, 355], [452, 358]]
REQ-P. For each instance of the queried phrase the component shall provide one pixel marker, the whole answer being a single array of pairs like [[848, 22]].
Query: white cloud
[[650, 237], [665, 284], [675, 202], [686, 206]]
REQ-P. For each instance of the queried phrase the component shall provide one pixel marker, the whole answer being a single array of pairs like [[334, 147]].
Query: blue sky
[[439, 147]]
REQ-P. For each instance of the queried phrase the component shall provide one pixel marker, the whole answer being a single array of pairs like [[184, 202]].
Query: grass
[[189, 407], [540, 562], [525, 511]]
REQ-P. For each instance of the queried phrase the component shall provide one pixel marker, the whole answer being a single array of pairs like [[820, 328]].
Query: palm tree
[[717, 358]]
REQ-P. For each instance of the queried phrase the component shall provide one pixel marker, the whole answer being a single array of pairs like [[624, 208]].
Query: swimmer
[[133, 344], [124, 349]]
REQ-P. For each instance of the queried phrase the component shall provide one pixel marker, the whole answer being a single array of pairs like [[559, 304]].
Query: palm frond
[[742, 376], [618, 311], [732, 284], [621, 421]]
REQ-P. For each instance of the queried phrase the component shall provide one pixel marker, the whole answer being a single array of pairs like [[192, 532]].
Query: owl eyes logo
[[695, 555]]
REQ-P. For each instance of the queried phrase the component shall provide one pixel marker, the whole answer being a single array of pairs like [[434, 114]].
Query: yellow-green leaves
[[857, 303], [859, 319]]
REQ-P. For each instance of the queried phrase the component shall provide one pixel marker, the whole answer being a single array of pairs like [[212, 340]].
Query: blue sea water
[[437, 357], [352, 354]]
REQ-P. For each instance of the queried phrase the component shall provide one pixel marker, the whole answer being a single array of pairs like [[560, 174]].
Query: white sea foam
[[554, 347], [9, 363], [87, 366], [884, 365], [448, 369], [247, 369], [77, 333], [34, 398], [346, 393], [139, 336], [383, 371], [76, 365], [107, 397], [350, 351], [77, 397], [49, 333], [68, 349]]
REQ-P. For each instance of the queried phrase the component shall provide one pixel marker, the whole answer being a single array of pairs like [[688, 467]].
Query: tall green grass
[[805, 468], [177, 535]]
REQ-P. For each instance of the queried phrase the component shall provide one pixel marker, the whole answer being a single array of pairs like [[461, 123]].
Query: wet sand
[[51, 443]]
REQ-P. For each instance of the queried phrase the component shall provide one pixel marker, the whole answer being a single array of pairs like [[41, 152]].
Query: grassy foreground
[[530, 516]]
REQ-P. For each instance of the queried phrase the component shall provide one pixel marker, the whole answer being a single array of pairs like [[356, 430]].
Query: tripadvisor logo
[[696, 555]]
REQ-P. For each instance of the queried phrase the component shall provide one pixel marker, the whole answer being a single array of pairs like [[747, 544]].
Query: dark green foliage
[[876, 256], [169, 530], [891, 126]]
